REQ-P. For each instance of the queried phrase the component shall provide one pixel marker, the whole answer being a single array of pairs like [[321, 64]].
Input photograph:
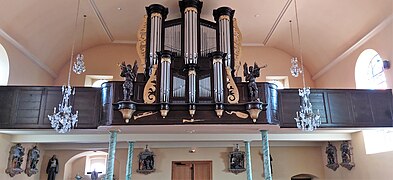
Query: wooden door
[[191, 170]]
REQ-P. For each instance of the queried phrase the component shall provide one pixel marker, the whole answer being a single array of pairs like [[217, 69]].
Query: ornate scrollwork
[[233, 92], [141, 43], [149, 92], [237, 43]]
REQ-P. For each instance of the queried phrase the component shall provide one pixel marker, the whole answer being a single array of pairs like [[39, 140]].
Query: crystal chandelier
[[295, 69], [79, 65], [306, 119], [63, 119]]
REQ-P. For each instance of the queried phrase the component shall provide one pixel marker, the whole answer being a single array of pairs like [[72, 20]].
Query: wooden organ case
[[189, 71]]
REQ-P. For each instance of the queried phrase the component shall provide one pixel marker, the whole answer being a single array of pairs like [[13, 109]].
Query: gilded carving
[[141, 43], [156, 15], [237, 43], [224, 17], [192, 9], [238, 114], [233, 92], [149, 92]]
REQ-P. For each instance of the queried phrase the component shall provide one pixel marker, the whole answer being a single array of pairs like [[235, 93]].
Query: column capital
[[111, 130]]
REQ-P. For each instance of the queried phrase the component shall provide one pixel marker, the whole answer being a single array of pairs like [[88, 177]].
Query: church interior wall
[[24, 71], [342, 75]]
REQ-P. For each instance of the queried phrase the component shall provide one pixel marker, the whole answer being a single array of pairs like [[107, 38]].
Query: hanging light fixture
[[306, 119], [79, 64], [63, 119], [295, 69]]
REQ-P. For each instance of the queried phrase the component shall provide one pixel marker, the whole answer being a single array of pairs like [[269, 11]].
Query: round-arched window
[[4, 66], [369, 71]]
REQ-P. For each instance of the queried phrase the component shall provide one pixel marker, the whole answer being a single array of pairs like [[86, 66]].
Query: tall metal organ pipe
[[165, 81], [191, 48], [224, 19], [218, 77], [157, 14]]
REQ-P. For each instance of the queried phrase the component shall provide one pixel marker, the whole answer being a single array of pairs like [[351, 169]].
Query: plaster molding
[[385, 23], [27, 53], [101, 19]]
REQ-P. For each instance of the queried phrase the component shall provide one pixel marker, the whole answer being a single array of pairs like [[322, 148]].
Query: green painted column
[[129, 160], [248, 160], [111, 154], [266, 155]]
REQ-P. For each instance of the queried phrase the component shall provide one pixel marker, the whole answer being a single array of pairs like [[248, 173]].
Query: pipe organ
[[196, 55]]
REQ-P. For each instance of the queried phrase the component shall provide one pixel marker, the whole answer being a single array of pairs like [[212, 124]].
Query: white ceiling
[[327, 27]]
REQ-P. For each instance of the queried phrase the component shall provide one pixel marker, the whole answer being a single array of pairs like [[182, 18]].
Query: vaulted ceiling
[[45, 28]]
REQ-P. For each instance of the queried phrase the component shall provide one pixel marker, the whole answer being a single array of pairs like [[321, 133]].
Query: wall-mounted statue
[[53, 168], [331, 153], [251, 73], [236, 161], [346, 155], [33, 156], [15, 160], [129, 73], [146, 162]]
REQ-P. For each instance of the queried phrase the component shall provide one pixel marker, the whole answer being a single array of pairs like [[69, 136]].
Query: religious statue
[[251, 73], [236, 160], [129, 73], [346, 155], [331, 152], [53, 168], [15, 160], [94, 175], [146, 162], [33, 156]]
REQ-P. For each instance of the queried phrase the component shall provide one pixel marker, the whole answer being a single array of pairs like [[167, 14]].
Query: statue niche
[[15, 160], [33, 156], [236, 161], [146, 162], [331, 153]]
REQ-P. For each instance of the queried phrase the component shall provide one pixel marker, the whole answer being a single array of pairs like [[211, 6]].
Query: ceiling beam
[[101, 19], [275, 24], [27, 53], [385, 23]]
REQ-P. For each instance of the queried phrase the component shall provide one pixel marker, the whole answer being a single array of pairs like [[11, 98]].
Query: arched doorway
[[83, 163]]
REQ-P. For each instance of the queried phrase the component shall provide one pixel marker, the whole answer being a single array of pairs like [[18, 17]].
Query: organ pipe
[[157, 14]]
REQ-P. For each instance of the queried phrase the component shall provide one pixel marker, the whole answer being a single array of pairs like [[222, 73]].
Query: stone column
[[266, 155], [111, 154], [248, 160], [129, 160]]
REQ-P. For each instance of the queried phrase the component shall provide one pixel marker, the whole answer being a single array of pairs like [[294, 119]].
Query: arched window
[[4, 66], [369, 71]]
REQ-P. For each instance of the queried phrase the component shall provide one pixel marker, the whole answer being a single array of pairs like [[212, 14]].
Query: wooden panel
[[28, 108], [87, 103], [7, 98], [181, 171], [289, 105], [317, 100], [361, 107], [381, 103], [340, 111], [203, 170]]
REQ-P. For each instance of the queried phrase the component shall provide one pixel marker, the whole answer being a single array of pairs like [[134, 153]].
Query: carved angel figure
[[251, 73], [129, 73]]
